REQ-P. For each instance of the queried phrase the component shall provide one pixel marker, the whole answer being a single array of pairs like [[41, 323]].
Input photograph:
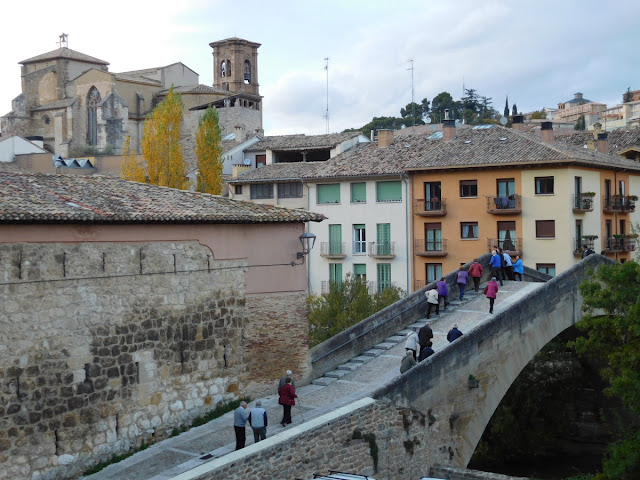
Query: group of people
[[257, 417], [503, 267], [420, 341]]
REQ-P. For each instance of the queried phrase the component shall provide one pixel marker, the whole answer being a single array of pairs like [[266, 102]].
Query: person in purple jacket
[[463, 276], [443, 292]]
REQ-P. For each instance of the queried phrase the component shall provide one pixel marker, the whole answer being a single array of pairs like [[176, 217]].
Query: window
[[384, 276], [359, 239], [607, 190], [506, 187], [237, 189], [93, 100], [358, 192], [548, 268], [46, 120], [389, 191], [507, 235], [433, 271], [335, 239], [223, 68], [579, 240], [262, 190], [545, 228], [433, 236], [360, 271], [290, 190], [261, 160], [383, 238], [335, 273], [469, 230], [432, 196], [247, 72], [544, 185], [329, 193], [468, 188]]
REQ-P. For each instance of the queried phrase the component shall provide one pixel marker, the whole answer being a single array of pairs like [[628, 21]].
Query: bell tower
[[235, 66]]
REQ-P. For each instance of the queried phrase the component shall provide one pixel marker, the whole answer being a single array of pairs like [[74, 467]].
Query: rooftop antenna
[[326, 114], [63, 41], [413, 102]]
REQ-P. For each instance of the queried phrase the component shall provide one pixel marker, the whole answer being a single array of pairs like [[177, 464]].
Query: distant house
[[12, 145]]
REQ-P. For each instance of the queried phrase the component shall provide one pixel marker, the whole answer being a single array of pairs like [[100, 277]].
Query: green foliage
[[506, 108], [115, 459], [539, 115], [415, 113], [580, 123], [209, 153], [378, 123], [345, 305], [440, 103], [627, 96]]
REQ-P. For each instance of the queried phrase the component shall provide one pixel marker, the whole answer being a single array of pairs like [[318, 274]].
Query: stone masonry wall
[[106, 345]]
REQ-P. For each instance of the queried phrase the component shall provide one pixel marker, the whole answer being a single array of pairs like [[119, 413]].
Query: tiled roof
[[280, 172], [47, 198], [130, 77], [195, 89], [618, 139], [64, 103], [11, 167], [67, 53], [302, 142]]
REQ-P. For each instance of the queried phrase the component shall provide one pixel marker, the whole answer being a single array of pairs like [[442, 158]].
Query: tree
[[627, 96], [209, 151], [345, 305], [131, 169], [539, 115], [391, 123], [506, 107], [580, 123], [611, 326], [161, 144], [440, 103], [515, 110], [415, 113]]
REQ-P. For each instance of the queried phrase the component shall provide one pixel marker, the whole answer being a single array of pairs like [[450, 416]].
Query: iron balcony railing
[[504, 205], [579, 242], [513, 246], [382, 250], [333, 250], [430, 248], [582, 203], [625, 244], [619, 204], [430, 208]]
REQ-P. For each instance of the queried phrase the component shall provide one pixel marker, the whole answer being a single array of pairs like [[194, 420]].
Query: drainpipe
[[309, 230], [407, 209]]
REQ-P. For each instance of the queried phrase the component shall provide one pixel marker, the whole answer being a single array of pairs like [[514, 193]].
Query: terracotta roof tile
[[618, 139], [302, 142]]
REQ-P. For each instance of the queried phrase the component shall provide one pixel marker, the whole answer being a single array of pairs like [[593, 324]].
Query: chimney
[[603, 142], [546, 128], [597, 128], [240, 133], [385, 138], [591, 144], [518, 122]]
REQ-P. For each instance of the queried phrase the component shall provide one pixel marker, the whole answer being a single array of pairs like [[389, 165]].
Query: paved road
[[352, 381]]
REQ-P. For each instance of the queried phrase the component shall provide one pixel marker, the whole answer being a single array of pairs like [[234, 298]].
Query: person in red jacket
[[490, 291], [475, 270], [287, 400]]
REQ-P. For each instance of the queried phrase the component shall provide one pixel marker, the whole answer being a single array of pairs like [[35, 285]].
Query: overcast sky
[[538, 52]]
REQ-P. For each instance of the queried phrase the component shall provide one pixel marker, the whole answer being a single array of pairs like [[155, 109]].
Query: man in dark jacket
[[426, 352], [454, 333], [424, 336]]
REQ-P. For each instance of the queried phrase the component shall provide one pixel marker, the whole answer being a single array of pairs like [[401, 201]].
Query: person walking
[[287, 400], [475, 270], [508, 265], [586, 251], [518, 268], [463, 277], [426, 351], [240, 418], [503, 265], [425, 334], [454, 333], [490, 291], [282, 382], [443, 293], [432, 300], [411, 345], [496, 266], [258, 422], [407, 362]]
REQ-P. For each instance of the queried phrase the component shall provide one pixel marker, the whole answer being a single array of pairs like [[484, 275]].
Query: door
[[432, 196], [384, 276], [578, 192], [433, 237], [384, 238], [335, 273], [579, 242], [359, 239]]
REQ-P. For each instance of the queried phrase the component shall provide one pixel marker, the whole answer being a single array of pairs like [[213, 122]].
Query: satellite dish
[[247, 161], [428, 120], [458, 122], [433, 128], [503, 121]]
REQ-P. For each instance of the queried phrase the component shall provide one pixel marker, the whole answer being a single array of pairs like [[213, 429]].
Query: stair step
[[362, 359], [350, 367], [323, 381], [394, 339], [336, 374], [374, 352], [384, 345]]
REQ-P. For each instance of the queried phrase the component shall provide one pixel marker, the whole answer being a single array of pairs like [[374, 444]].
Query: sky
[[539, 52]]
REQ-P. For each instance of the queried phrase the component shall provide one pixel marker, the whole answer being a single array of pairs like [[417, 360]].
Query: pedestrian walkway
[[354, 380]]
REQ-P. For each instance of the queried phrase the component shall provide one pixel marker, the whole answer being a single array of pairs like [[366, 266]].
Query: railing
[[430, 248], [625, 244], [359, 247], [382, 250], [430, 208], [579, 242], [582, 203], [504, 205], [325, 287], [619, 204], [512, 246], [333, 250]]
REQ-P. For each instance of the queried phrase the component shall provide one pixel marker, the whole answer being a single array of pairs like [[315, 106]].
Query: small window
[[290, 190], [358, 192], [545, 228], [261, 160], [433, 271], [389, 191], [360, 271], [46, 120], [469, 230], [359, 239], [544, 185], [548, 268], [238, 189], [329, 193], [468, 188], [262, 190]]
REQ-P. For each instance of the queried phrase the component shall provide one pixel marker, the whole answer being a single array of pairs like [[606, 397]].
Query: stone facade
[[104, 346]]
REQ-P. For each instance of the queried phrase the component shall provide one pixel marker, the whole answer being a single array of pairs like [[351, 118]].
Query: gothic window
[[247, 72], [93, 99], [223, 68], [228, 68]]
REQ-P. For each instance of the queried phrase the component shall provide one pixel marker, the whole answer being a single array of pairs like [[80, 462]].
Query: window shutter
[[389, 191], [384, 276], [358, 192], [359, 269], [335, 239], [384, 238], [329, 193]]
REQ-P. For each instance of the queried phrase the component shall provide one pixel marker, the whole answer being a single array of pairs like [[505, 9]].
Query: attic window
[[502, 139], [467, 141]]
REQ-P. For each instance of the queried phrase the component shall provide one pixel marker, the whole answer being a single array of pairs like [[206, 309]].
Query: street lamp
[[307, 240]]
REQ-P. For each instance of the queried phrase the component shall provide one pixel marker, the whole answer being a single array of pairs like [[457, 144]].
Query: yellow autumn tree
[[161, 144], [209, 151], [131, 168]]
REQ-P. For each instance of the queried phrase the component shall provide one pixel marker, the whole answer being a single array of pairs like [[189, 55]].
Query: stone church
[[75, 106]]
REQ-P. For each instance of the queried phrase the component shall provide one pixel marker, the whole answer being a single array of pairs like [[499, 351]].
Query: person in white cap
[[283, 381]]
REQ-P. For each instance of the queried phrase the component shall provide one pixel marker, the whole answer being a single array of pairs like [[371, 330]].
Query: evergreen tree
[[209, 152], [627, 96], [515, 110], [506, 107], [580, 123]]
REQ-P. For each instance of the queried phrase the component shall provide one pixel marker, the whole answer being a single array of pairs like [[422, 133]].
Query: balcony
[[430, 248], [333, 250], [430, 208], [579, 242], [619, 204], [582, 203], [620, 243], [504, 205], [325, 287], [382, 250], [508, 245]]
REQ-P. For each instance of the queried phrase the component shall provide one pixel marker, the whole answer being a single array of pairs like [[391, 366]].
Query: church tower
[[235, 66]]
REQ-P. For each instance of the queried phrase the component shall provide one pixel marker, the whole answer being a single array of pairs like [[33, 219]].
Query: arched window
[[223, 68], [46, 120], [228, 68], [93, 99], [247, 72]]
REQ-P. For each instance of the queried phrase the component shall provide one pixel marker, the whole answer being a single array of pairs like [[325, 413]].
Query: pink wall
[[259, 244]]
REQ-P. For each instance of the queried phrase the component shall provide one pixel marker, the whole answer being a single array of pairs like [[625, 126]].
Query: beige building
[[571, 110]]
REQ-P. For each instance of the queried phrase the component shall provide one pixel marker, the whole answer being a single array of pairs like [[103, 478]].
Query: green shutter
[[335, 239], [359, 269], [384, 276], [335, 273], [329, 193], [358, 192], [384, 238], [389, 191]]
